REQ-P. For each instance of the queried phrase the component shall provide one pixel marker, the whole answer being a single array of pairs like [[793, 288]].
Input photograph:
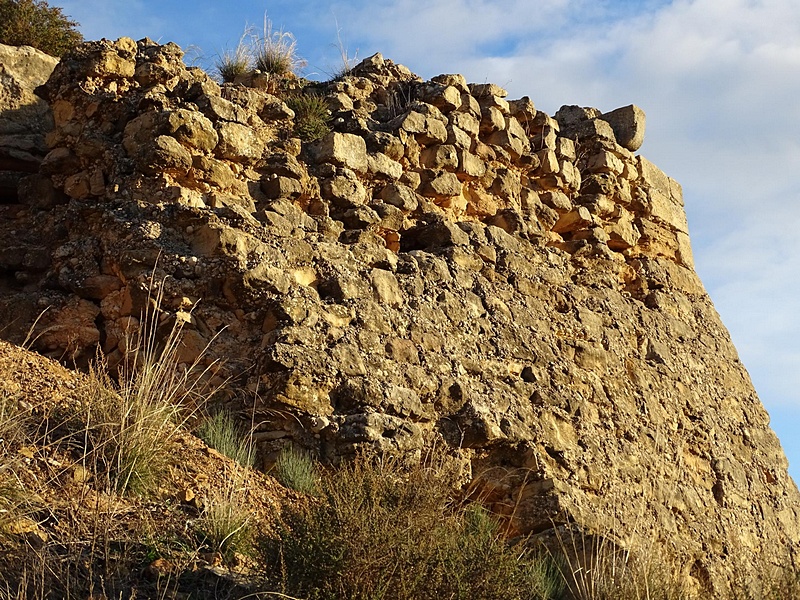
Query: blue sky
[[718, 79]]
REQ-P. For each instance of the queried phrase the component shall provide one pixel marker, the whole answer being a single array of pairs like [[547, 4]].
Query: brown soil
[[61, 528]]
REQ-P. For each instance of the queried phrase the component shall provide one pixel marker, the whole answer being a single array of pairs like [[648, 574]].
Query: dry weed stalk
[[130, 422]]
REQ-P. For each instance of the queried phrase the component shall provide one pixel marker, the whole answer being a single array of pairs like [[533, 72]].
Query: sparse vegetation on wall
[[272, 52], [231, 64], [312, 117]]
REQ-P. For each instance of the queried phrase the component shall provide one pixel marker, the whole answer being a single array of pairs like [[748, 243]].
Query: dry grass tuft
[[275, 51], [233, 63], [128, 424], [226, 524], [595, 568]]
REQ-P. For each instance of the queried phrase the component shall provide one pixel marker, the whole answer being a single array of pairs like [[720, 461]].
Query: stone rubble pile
[[445, 266]]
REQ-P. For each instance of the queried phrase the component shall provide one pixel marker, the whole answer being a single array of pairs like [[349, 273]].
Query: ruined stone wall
[[446, 266]]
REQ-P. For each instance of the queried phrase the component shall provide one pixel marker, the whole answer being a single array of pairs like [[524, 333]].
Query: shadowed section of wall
[[24, 118]]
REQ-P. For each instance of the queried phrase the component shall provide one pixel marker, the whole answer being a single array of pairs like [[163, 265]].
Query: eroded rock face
[[25, 119], [446, 266]]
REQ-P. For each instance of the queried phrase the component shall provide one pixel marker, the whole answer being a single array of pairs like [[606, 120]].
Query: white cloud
[[448, 32]]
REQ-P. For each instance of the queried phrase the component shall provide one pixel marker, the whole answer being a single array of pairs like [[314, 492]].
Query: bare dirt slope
[[64, 531]]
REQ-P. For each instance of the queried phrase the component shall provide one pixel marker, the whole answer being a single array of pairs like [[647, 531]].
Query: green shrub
[[312, 117], [378, 530], [226, 523], [295, 469], [36, 23], [221, 432]]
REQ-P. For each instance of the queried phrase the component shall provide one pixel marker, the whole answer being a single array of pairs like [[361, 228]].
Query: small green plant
[[312, 117], [36, 23], [275, 52], [221, 432], [226, 524], [380, 529], [233, 63], [296, 470]]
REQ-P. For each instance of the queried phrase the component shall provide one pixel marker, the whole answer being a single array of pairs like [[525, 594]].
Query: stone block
[[570, 116], [605, 162], [574, 220], [665, 209], [523, 109], [453, 79], [444, 97], [427, 129], [622, 233], [652, 176], [380, 165], [548, 161], [628, 124], [492, 119], [401, 196], [278, 186], [344, 190], [386, 288], [458, 137], [442, 185], [342, 149], [482, 90], [238, 143], [164, 154], [470, 166], [467, 122], [439, 157]]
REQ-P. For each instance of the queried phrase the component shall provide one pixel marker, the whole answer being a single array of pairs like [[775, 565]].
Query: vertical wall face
[[444, 265]]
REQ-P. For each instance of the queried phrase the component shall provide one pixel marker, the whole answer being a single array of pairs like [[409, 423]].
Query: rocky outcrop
[[24, 118], [446, 266]]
